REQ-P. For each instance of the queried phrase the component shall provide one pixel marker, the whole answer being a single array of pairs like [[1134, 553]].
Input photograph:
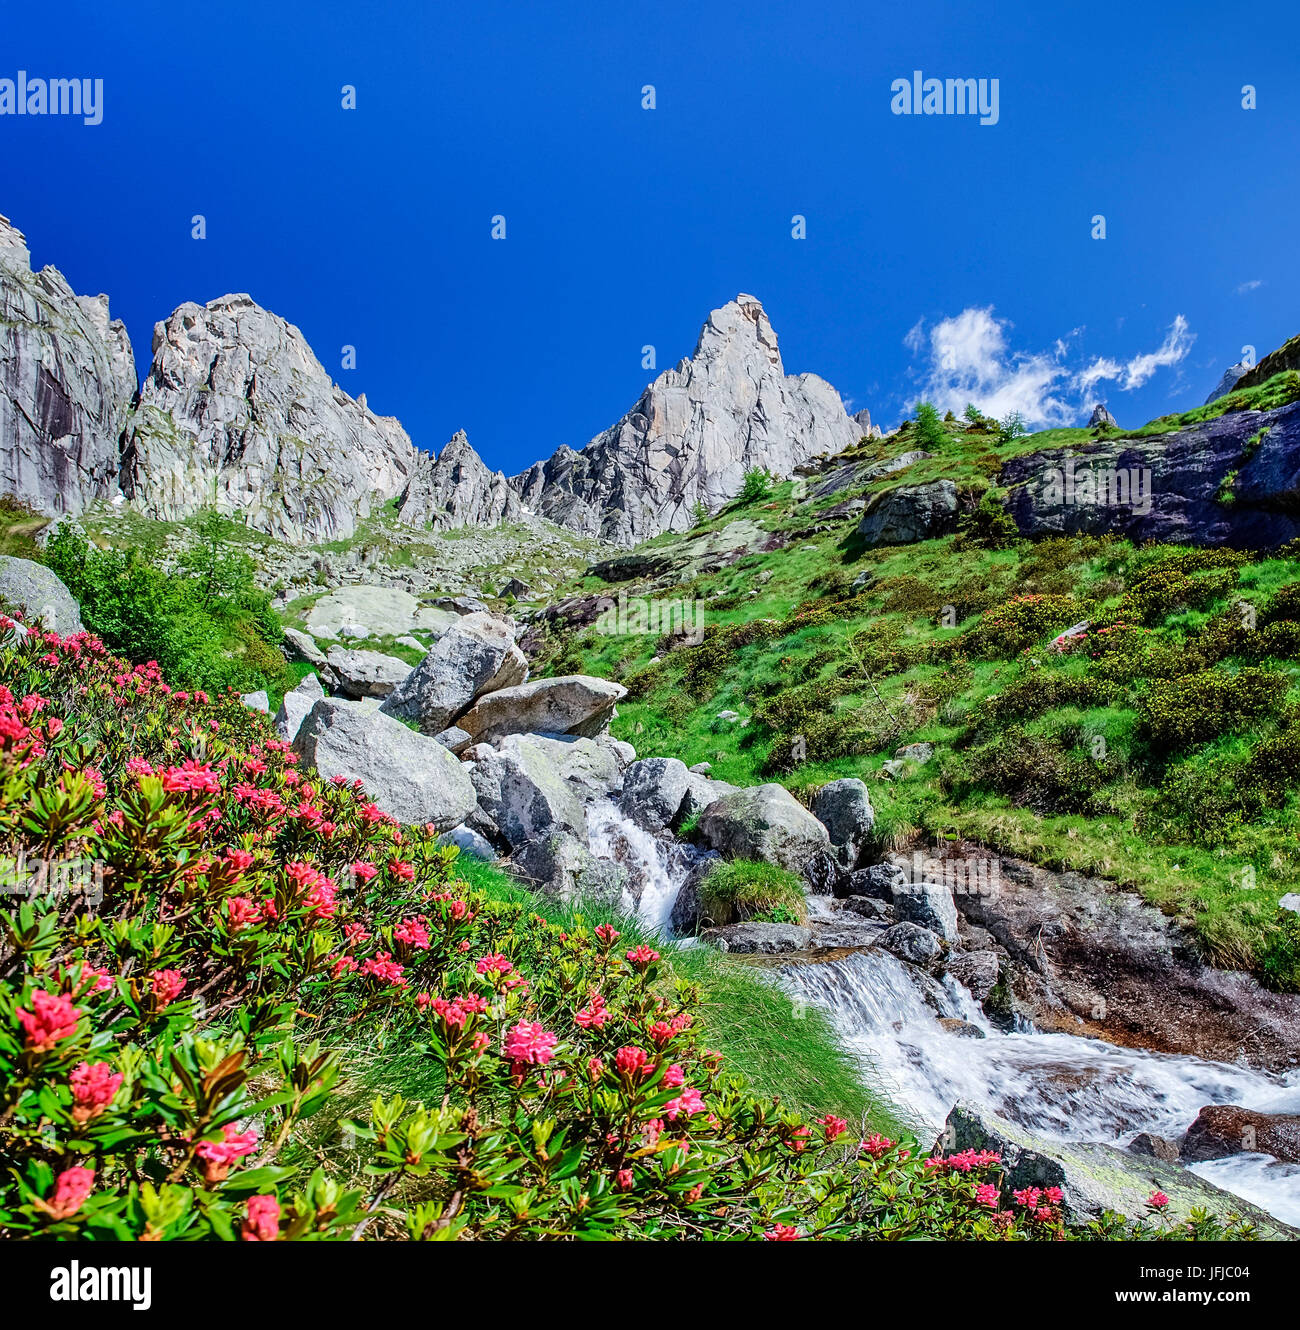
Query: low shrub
[[1178, 714], [1020, 623], [1040, 772], [747, 889]]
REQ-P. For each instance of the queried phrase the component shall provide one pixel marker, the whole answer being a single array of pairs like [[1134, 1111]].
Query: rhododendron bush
[[177, 1009]]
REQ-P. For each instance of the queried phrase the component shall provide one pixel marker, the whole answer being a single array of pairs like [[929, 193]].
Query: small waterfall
[[1056, 1085], [656, 868]]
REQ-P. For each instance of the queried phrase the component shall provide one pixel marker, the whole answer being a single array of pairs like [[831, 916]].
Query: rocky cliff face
[[67, 378], [456, 489], [236, 411], [695, 432], [1234, 480]]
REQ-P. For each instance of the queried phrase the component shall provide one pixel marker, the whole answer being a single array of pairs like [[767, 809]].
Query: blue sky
[[625, 226]]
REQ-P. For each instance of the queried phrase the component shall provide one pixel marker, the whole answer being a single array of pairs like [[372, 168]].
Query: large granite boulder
[[759, 939], [410, 776], [67, 377], [524, 794], [653, 790], [589, 767], [914, 943], [39, 593], [1226, 1129], [696, 431], [763, 822], [1233, 480], [843, 807], [926, 900], [358, 673], [909, 513], [236, 407], [569, 704], [558, 863], [477, 654], [296, 706]]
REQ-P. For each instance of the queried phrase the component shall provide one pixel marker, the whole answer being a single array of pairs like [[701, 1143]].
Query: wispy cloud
[[1252, 285], [969, 359]]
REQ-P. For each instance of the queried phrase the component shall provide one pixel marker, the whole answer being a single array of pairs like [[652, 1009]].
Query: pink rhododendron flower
[[623, 1180], [688, 1102], [166, 986], [530, 1044], [641, 956], [987, 1194], [71, 1188], [52, 1018], [832, 1126], [93, 1088], [876, 1145], [1157, 1200], [781, 1233], [607, 935], [263, 1221], [632, 1061]]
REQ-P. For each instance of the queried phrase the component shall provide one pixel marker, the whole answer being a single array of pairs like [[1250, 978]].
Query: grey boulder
[[365, 673], [911, 942], [909, 513], [653, 790], [296, 706], [477, 654], [843, 807], [569, 704], [921, 900], [523, 792], [757, 938], [411, 777], [763, 822], [559, 864], [39, 593]]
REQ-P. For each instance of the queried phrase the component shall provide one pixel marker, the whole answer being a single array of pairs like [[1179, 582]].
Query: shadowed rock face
[[67, 377], [695, 432], [236, 408], [1090, 958], [1191, 494]]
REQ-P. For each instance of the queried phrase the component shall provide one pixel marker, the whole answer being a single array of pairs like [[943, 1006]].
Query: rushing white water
[[656, 868], [1057, 1085]]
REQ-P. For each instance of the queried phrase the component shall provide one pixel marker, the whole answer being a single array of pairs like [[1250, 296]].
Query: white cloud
[[969, 360], [1252, 285]]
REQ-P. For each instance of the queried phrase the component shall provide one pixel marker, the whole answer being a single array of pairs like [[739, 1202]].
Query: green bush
[[747, 889], [758, 487], [1178, 714], [206, 622], [1035, 771], [1020, 623]]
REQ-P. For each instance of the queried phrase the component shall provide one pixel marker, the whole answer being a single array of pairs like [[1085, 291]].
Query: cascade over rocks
[[67, 378], [410, 776]]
